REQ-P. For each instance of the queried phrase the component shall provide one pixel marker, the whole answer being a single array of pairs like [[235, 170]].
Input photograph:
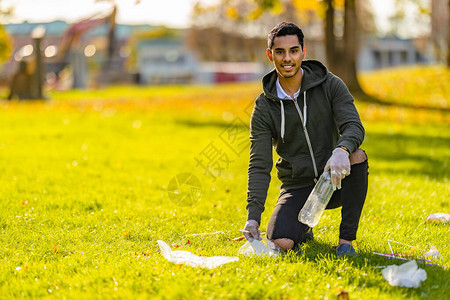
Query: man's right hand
[[339, 166], [251, 231]]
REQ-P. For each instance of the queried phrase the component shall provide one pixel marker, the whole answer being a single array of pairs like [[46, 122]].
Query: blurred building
[[165, 60], [137, 57], [169, 60], [219, 72], [379, 53], [85, 47], [169, 57]]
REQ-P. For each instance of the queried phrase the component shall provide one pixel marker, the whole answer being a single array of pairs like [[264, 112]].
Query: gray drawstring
[[303, 118], [282, 121], [304, 108]]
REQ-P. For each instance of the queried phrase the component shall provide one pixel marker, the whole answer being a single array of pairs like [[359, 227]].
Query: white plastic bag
[[258, 248], [406, 275], [438, 218], [190, 259]]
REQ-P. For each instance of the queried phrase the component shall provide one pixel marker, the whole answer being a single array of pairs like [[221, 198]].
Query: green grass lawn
[[86, 191]]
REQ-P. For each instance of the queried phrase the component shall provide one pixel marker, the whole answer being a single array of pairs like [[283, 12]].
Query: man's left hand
[[339, 166]]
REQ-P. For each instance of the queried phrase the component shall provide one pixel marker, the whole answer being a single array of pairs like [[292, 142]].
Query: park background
[[135, 131]]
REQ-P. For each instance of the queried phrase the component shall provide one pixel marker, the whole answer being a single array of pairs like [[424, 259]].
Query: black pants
[[284, 220]]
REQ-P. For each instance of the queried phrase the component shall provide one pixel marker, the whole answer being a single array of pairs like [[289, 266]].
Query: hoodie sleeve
[[260, 164], [347, 118]]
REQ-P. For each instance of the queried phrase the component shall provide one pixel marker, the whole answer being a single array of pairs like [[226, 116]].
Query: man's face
[[287, 55]]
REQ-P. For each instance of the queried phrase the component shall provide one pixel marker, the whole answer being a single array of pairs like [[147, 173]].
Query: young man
[[307, 114]]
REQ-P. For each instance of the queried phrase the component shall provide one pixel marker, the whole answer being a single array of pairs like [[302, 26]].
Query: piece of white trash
[[438, 218], [433, 254], [260, 249], [190, 259], [406, 275]]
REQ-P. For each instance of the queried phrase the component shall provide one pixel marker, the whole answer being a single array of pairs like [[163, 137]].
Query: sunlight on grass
[[425, 86], [84, 188]]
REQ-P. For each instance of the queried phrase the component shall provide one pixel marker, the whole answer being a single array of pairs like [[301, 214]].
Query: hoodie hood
[[314, 74]]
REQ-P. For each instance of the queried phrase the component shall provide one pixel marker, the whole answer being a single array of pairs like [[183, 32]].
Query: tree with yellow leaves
[[341, 26], [5, 40], [341, 51]]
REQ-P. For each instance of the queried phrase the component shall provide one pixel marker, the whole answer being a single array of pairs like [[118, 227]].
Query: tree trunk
[[448, 36], [342, 60], [330, 41], [347, 67]]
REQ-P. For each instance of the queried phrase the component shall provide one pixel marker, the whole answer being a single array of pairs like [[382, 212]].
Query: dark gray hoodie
[[303, 132]]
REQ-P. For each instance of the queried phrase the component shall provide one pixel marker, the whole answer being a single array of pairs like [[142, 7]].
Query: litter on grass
[[258, 248], [207, 233], [433, 254], [438, 218], [399, 256], [425, 257], [190, 259], [406, 275], [411, 248]]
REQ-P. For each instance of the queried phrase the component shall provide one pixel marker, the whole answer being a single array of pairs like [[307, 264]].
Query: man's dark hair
[[283, 29]]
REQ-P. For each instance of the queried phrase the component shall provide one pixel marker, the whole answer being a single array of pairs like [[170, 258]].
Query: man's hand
[[339, 167], [251, 231]]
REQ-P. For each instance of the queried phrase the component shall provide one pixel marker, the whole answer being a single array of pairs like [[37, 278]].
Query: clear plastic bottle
[[317, 201]]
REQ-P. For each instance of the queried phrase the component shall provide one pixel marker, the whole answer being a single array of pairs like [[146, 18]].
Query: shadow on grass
[[397, 148], [324, 257], [214, 123], [392, 148], [363, 97]]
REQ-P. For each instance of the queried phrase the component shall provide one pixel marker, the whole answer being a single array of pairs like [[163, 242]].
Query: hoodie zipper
[[308, 141]]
